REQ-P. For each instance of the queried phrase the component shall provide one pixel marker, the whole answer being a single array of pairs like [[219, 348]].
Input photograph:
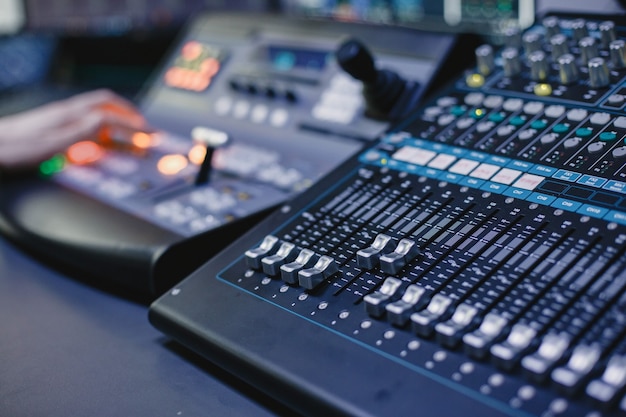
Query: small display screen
[[286, 59]]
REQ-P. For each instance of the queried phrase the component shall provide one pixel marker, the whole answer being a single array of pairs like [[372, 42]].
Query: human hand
[[30, 137]]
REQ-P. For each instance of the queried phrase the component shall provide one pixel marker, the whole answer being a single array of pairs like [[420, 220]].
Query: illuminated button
[[528, 181], [241, 109], [538, 124], [497, 117], [584, 132], [477, 113], [172, 164], [414, 155], [484, 171], [542, 89], [463, 166], [196, 154], [475, 80], [85, 152], [52, 165], [506, 176], [259, 113], [223, 105], [142, 140], [560, 128], [279, 117], [517, 120], [458, 110], [442, 161]]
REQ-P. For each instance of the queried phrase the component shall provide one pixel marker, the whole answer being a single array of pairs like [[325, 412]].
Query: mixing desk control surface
[[471, 262]]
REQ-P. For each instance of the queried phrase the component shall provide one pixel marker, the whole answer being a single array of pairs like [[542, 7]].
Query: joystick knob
[[212, 139], [387, 95]]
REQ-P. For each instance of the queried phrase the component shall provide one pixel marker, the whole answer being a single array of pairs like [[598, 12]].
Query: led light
[[85, 152], [196, 154], [172, 164], [142, 140], [475, 80], [543, 89], [52, 165]]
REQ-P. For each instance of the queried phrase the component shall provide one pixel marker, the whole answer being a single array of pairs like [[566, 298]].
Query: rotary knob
[[617, 49], [484, 59], [588, 49], [598, 73], [568, 71], [607, 33], [538, 66], [511, 61]]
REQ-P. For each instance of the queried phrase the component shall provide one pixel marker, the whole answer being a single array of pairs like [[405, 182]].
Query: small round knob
[[511, 62], [484, 59], [532, 42], [551, 25], [568, 71], [559, 45], [579, 29], [607, 33], [588, 48], [538, 66], [513, 37], [598, 73], [617, 49]]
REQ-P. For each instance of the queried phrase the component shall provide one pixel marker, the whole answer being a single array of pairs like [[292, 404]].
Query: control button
[[505, 354], [404, 253], [375, 302], [600, 119], [559, 45], [442, 161], [584, 132], [568, 70], [446, 101], [598, 73], [289, 271], [241, 109], [549, 138], [517, 120], [527, 134], [616, 100], [398, 311], [511, 62], [259, 113], [474, 99], [491, 102], [572, 142], [477, 343], [223, 105], [619, 152], [285, 253], [445, 119], [580, 363], [613, 379], [279, 117], [267, 247], [528, 181], [554, 111], [513, 104], [538, 66], [588, 49], [620, 122], [579, 29], [506, 176], [484, 127], [539, 124], [578, 192], [324, 268], [422, 322], [532, 42], [368, 258], [484, 59], [607, 33], [617, 50], [576, 115], [448, 332], [550, 350], [533, 107], [463, 166], [560, 128], [596, 147], [484, 171]]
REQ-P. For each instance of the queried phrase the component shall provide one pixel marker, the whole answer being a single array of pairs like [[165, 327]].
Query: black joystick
[[212, 139], [387, 95]]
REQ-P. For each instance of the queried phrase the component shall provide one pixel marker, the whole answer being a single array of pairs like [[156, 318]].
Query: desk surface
[[67, 347]]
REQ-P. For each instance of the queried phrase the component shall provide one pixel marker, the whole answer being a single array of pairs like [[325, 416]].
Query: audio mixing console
[[143, 212], [471, 262]]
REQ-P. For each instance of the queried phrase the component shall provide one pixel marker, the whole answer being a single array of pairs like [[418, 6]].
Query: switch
[[212, 139], [369, 257], [324, 268], [254, 256], [404, 253], [376, 301]]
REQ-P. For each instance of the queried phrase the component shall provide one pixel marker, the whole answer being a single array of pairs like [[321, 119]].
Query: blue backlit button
[[541, 198], [564, 204], [528, 181], [484, 171], [592, 181], [471, 182], [593, 211], [546, 171], [506, 176], [616, 216], [564, 175], [493, 187], [517, 193], [463, 166], [498, 160], [449, 177], [617, 186]]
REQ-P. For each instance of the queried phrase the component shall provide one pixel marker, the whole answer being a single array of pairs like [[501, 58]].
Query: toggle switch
[[212, 139]]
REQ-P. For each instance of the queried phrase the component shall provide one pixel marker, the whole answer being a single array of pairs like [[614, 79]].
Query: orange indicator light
[[196, 154], [172, 164], [85, 152], [142, 140]]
